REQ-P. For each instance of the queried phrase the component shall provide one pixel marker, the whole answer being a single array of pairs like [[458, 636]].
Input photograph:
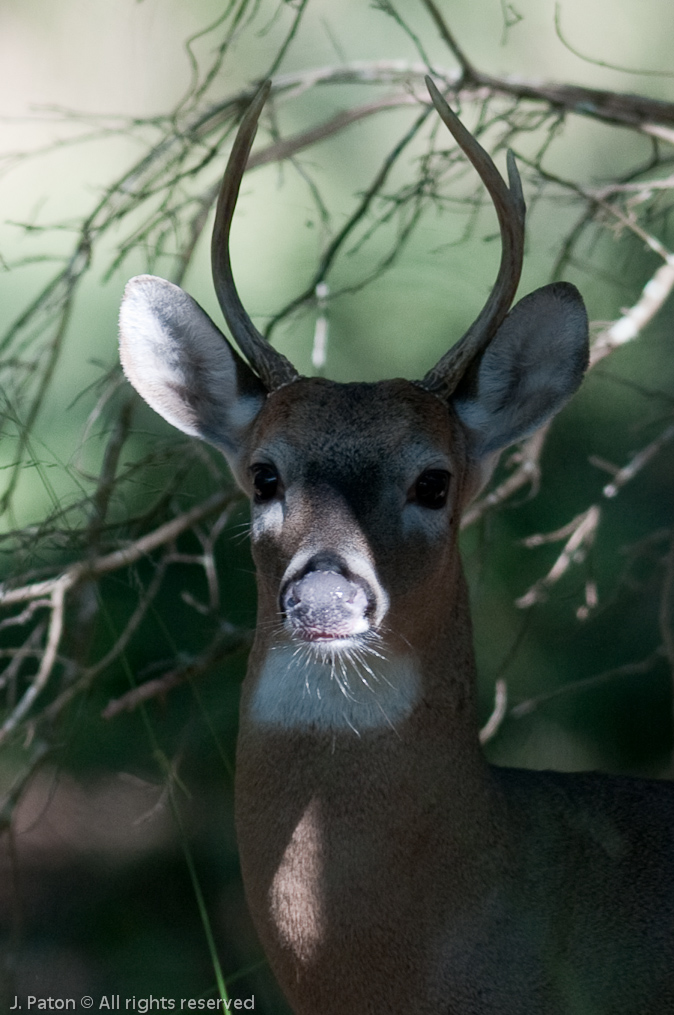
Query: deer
[[388, 868]]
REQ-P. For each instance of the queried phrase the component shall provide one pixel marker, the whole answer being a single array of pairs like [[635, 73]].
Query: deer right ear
[[184, 367]]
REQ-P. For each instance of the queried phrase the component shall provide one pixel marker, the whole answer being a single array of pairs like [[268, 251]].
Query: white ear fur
[[183, 366], [533, 365]]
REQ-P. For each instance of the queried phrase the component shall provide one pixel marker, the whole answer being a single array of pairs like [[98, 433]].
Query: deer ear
[[532, 366], [184, 367]]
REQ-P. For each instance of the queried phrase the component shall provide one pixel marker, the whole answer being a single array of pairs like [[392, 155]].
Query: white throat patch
[[298, 688]]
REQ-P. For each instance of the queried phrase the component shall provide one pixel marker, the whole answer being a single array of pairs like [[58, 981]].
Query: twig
[[53, 640], [582, 536], [634, 320], [328, 258], [528, 472], [611, 107], [468, 71], [637, 463], [106, 480], [22, 618], [581, 531], [56, 589], [594, 60], [226, 643], [629, 669], [89, 675], [286, 148], [490, 728], [120, 558], [16, 656]]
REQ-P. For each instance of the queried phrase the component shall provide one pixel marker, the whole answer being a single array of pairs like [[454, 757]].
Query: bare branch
[[337, 243], [601, 63], [468, 71], [587, 683], [634, 320], [582, 537], [16, 656], [227, 642], [641, 459], [527, 473], [120, 558], [48, 659], [19, 619], [87, 678], [491, 727], [57, 588]]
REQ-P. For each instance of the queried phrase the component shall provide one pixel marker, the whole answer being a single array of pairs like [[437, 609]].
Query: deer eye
[[431, 488], [265, 482]]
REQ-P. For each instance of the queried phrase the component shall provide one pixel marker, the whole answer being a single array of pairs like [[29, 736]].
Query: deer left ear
[[532, 366]]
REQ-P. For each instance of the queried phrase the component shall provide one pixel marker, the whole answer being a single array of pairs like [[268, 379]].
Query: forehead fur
[[335, 419]]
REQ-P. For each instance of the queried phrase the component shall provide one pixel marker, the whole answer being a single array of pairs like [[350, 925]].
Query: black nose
[[323, 605]]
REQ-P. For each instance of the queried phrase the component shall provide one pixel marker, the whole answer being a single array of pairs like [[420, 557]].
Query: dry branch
[[53, 591]]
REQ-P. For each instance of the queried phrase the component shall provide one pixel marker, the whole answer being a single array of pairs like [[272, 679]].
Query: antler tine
[[272, 367], [510, 208]]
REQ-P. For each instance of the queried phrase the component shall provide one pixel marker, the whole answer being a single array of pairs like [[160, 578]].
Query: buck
[[388, 868]]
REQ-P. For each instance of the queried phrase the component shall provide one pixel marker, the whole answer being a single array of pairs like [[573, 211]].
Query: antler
[[271, 366], [510, 208]]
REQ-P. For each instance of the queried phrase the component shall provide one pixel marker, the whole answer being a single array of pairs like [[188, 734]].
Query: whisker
[[375, 676], [349, 723], [388, 721]]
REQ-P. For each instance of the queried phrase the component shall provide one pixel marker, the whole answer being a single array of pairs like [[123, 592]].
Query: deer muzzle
[[324, 605]]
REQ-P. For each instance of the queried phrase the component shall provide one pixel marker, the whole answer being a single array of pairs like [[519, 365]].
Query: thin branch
[[581, 538], [634, 320], [581, 532], [596, 103], [227, 642], [130, 554], [527, 473], [468, 71], [335, 246], [283, 49], [40, 680], [28, 650], [587, 683], [601, 63], [88, 676], [491, 727], [638, 462], [278, 151], [19, 619]]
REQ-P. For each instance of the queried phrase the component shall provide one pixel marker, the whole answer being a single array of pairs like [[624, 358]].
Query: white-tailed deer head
[[387, 867]]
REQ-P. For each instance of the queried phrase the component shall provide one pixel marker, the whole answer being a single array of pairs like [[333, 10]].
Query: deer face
[[349, 517]]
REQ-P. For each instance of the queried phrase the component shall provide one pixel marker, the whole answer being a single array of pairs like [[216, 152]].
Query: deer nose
[[323, 605]]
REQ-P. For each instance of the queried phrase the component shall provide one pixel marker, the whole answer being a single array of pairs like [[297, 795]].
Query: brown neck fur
[[330, 825]]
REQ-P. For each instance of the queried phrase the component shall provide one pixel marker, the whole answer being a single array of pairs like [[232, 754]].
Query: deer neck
[[330, 814]]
